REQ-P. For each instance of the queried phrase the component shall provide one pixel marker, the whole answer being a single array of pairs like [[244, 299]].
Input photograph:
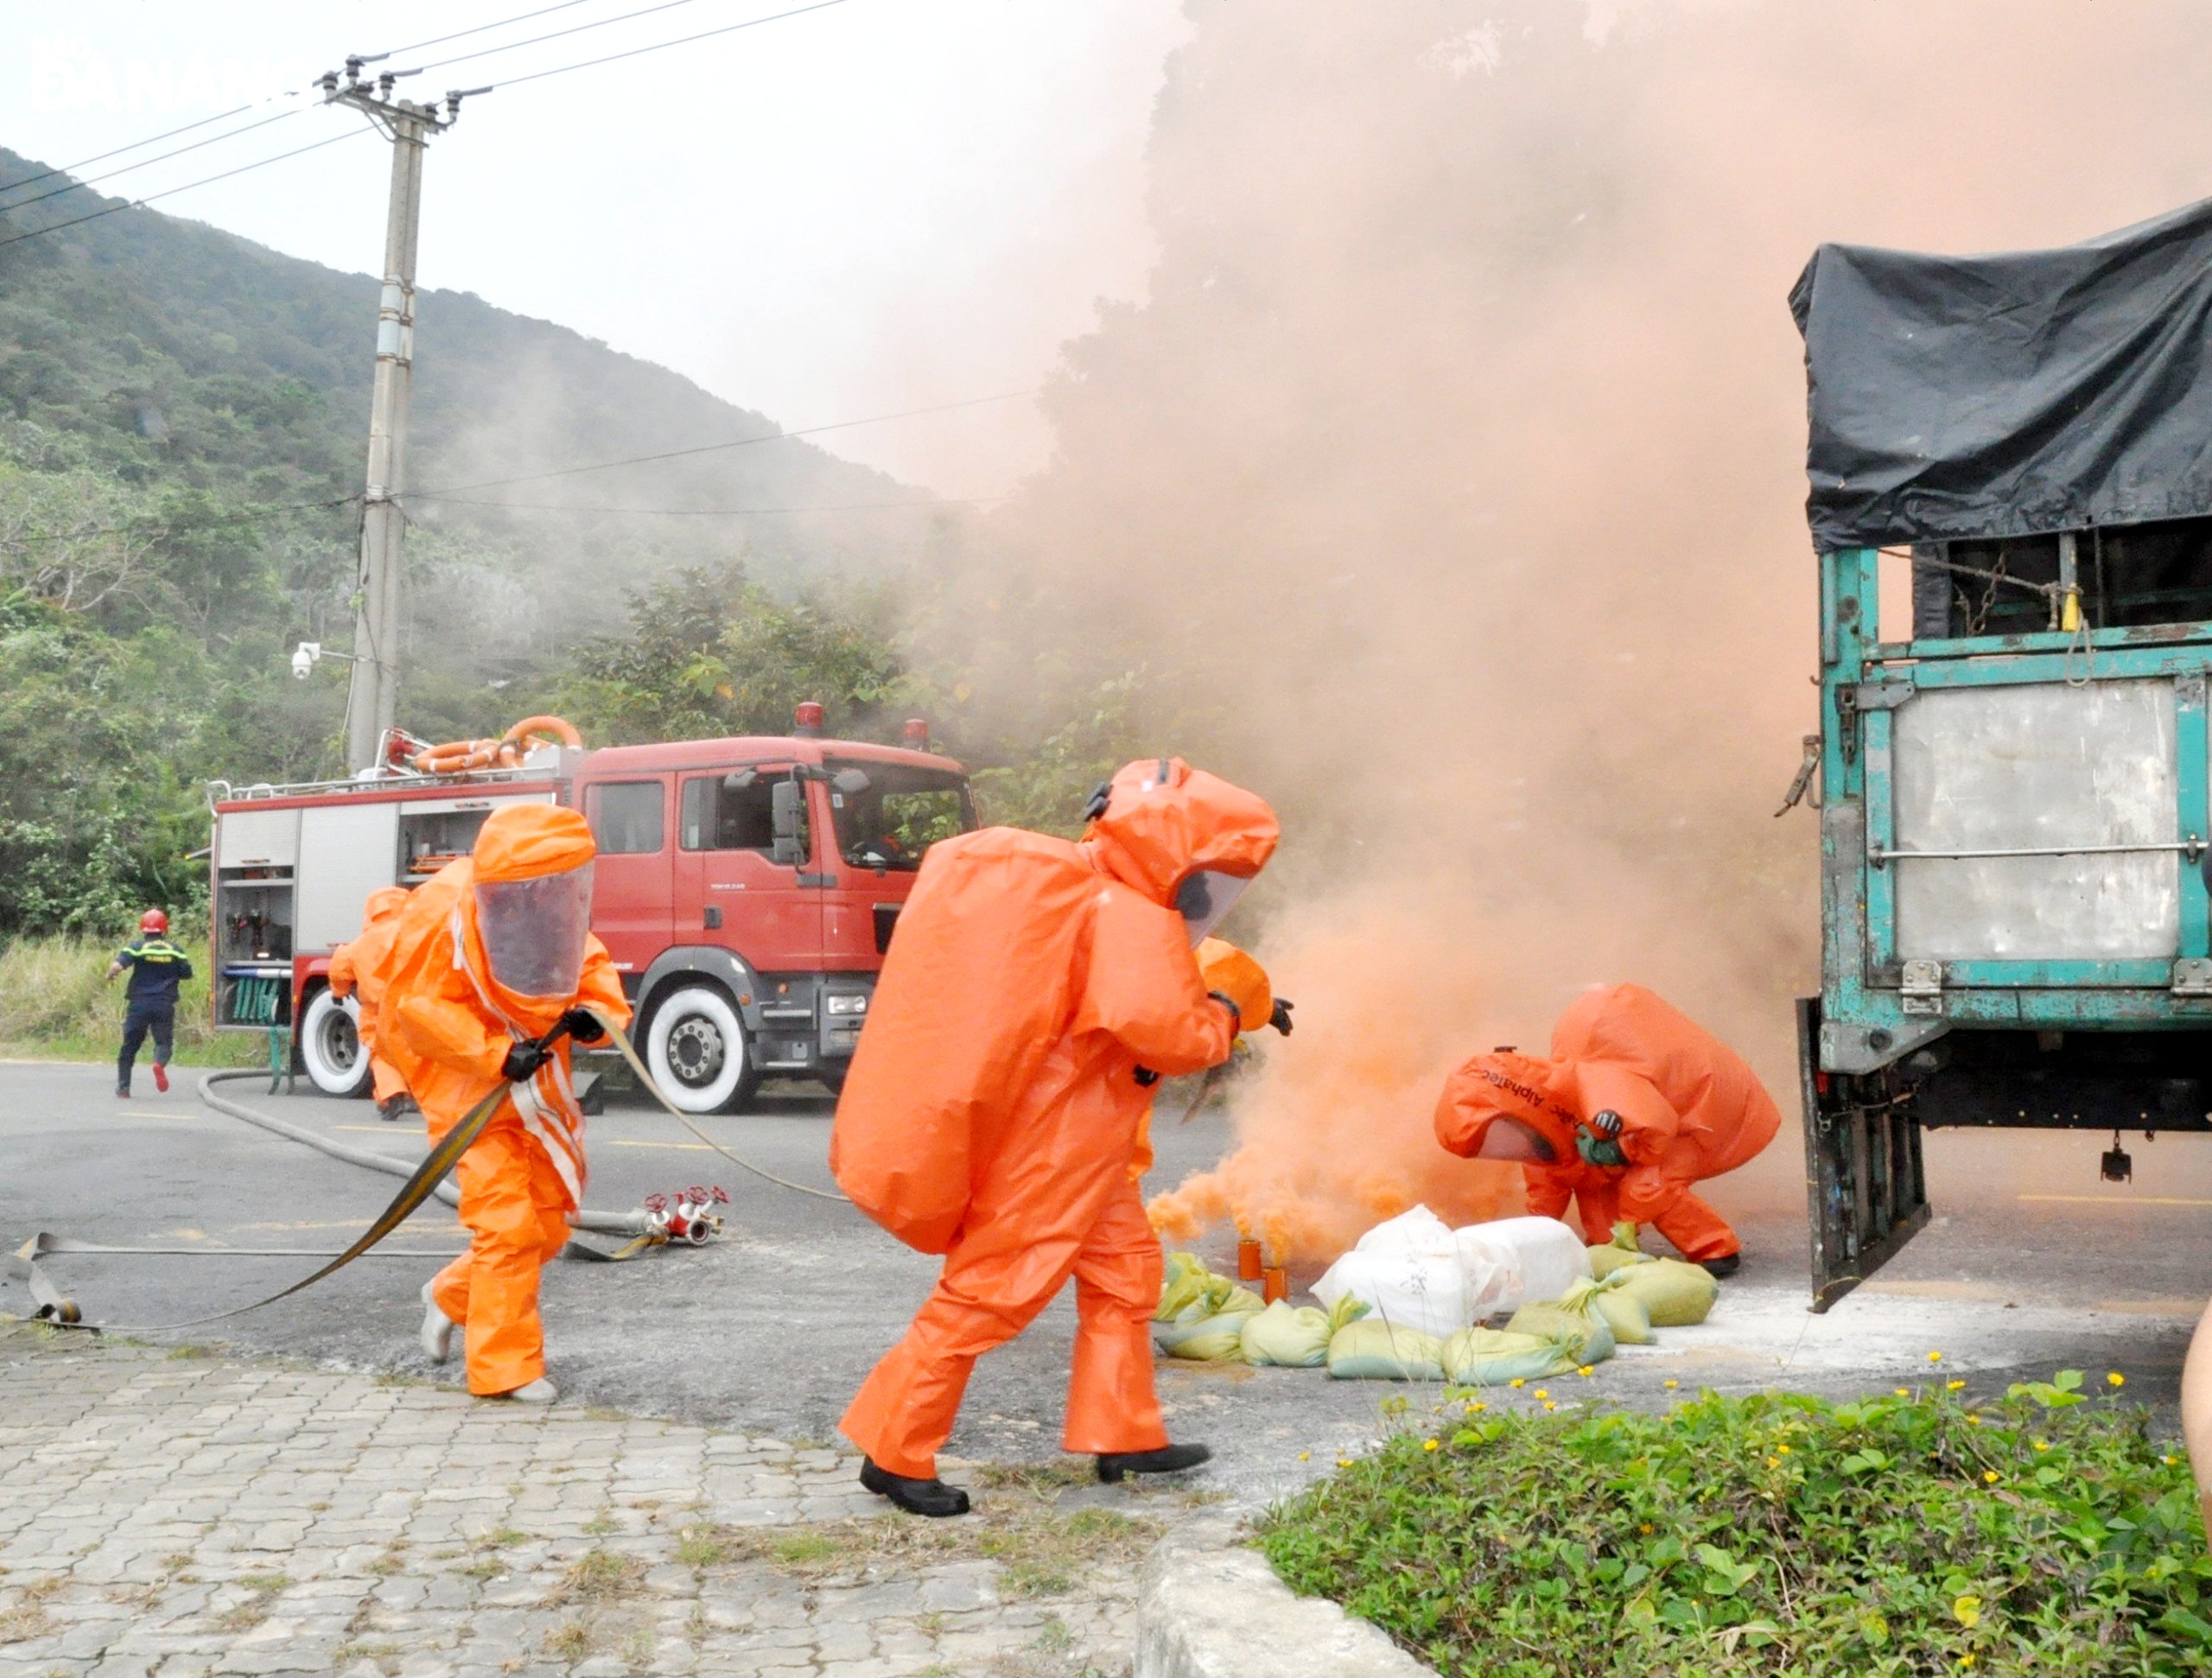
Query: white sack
[[1408, 1273], [1515, 1260]]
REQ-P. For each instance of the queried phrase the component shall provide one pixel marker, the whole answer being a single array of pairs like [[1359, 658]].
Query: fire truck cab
[[747, 889]]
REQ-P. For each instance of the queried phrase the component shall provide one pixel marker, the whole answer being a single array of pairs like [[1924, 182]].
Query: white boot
[[437, 1328], [540, 1391]]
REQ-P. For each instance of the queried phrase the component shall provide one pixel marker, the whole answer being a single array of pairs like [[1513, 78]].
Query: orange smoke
[[1333, 1131]]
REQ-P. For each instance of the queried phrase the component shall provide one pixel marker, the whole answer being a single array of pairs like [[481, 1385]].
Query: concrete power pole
[[372, 705]]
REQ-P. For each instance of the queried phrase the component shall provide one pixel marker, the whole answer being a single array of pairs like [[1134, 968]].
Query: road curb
[[1207, 1607]]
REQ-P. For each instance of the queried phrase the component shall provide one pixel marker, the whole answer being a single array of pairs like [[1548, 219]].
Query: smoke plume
[[1448, 491]]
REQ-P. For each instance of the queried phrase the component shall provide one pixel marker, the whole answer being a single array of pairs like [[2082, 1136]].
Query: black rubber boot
[[1723, 1266], [932, 1497], [1168, 1459]]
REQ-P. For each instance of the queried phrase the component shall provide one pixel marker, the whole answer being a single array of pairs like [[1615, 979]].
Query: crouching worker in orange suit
[[357, 971], [493, 953], [1636, 1105], [998, 1105]]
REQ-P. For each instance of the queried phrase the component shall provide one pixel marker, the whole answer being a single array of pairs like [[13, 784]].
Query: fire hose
[[689, 1218]]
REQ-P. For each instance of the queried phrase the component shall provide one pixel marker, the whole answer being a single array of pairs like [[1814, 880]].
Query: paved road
[[2032, 1265], [203, 1517]]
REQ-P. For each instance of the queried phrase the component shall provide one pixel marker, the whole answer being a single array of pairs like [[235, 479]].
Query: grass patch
[[55, 1003], [1040, 1551], [699, 1547], [1041, 1479], [569, 1641], [598, 1576], [266, 1588], [2044, 1533], [23, 1621], [347, 1653]]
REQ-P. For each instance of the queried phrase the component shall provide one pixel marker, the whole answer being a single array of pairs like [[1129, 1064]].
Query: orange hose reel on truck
[[459, 757]]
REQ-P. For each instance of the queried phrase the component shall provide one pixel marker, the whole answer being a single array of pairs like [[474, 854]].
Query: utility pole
[[372, 703]]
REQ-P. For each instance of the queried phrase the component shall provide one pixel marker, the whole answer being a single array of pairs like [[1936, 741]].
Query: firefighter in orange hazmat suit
[[356, 970], [1636, 1103], [997, 1107], [493, 954]]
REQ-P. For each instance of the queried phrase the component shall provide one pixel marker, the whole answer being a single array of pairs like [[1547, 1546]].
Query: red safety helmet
[[154, 921]]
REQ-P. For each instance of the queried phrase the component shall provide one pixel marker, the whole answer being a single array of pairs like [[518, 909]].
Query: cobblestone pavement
[[183, 1514]]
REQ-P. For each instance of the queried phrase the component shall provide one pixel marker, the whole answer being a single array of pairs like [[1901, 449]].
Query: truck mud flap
[[1865, 1188]]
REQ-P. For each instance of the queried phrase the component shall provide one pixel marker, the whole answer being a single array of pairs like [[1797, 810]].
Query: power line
[[71, 168], [452, 490], [155, 525], [556, 35], [172, 192], [440, 41], [635, 52], [159, 158]]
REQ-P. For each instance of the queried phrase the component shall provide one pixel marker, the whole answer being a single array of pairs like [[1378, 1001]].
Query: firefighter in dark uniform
[[157, 968]]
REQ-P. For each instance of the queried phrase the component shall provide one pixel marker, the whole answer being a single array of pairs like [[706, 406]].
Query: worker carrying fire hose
[[1636, 1105], [357, 971], [997, 1109], [486, 982]]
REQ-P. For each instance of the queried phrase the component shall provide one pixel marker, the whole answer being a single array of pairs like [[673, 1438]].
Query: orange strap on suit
[[994, 1112], [448, 1026], [1689, 1107]]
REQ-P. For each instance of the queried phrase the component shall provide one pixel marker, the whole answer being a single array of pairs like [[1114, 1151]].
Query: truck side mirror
[[786, 810]]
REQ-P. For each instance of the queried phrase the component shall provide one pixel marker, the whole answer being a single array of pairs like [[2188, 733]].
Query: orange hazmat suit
[[1689, 1106], [491, 950], [997, 1107], [357, 971]]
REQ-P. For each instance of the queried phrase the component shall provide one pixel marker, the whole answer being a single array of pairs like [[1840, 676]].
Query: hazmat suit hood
[[1510, 1106], [524, 921], [1166, 824], [383, 904]]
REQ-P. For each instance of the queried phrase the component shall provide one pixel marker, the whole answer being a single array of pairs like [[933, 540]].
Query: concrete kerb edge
[[1207, 1607]]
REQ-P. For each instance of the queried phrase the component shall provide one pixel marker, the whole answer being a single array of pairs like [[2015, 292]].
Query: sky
[[874, 206]]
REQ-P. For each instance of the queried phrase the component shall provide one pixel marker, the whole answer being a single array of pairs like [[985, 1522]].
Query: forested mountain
[[182, 424]]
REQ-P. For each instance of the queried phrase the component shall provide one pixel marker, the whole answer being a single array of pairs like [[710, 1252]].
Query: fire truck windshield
[[899, 814]]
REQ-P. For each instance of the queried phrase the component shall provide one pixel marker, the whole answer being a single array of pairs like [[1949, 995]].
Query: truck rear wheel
[[330, 1046], [696, 1049]]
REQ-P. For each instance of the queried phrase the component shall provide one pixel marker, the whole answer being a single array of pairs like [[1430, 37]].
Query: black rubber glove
[[582, 1025], [1281, 1018], [1236, 1014], [1598, 1150], [523, 1061]]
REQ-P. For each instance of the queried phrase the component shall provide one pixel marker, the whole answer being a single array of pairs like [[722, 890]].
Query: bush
[[55, 1000], [1777, 1534]]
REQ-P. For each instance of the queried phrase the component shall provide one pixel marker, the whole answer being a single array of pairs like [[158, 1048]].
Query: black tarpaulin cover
[[1960, 396]]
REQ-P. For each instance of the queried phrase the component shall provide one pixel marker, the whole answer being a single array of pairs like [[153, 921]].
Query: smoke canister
[[1247, 1259], [1274, 1284]]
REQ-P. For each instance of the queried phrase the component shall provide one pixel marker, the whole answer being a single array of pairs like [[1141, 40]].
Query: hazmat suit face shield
[[1204, 900], [533, 931], [1505, 1138]]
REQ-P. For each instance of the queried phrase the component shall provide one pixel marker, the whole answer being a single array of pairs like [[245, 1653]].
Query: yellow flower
[[1934, 1356], [1541, 1392], [1428, 1445], [1774, 1462], [2115, 1379], [2169, 1461], [1585, 1371], [1647, 1529], [1965, 1660], [1966, 1610], [1548, 1405], [1671, 1385], [1973, 1420], [1306, 1455], [1904, 1392], [1477, 1405], [1344, 1462], [1781, 1450], [2044, 1444], [1989, 1476], [1516, 1381], [1952, 1386]]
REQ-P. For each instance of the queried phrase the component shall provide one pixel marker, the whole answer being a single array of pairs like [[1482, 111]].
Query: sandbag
[[1290, 1336], [1674, 1294], [1201, 1315], [1373, 1350], [1510, 1261], [1407, 1270], [1572, 1319], [1611, 1255], [1492, 1356], [1623, 1314], [1217, 1338]]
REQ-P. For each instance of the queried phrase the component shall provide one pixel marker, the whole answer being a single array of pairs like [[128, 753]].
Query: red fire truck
[[747, 889]]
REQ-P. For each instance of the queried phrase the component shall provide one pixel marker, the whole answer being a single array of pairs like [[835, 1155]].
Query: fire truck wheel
[[330, 1046], [696, 1048]]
